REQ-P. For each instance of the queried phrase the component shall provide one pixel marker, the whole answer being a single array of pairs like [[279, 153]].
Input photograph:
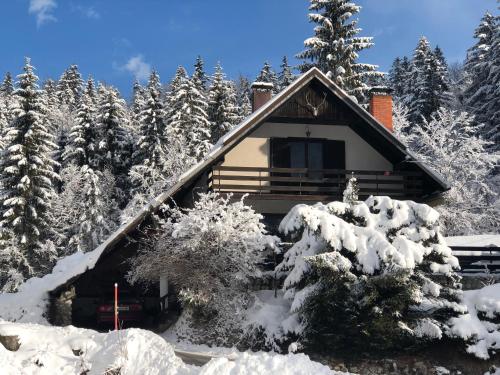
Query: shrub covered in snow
[[211, 253], [373, 275]]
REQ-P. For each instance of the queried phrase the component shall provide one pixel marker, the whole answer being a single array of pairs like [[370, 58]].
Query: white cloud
[[138, 67], [86, 11], [43, 9]]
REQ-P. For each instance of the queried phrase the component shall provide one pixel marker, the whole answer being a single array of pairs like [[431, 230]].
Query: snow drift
[[70, 350]]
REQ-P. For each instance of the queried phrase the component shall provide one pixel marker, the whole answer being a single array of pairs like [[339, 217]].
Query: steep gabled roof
[[231, 139]]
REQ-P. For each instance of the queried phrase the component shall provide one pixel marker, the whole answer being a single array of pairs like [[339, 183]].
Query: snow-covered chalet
[[299, 146]]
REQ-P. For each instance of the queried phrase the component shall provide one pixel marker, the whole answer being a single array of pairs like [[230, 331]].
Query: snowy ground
[[70, 350]]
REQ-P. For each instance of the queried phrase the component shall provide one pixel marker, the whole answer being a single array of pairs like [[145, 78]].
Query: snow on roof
[[482, 240]]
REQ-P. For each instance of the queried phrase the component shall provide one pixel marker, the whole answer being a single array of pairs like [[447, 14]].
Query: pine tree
[[28, 175], [188, 116], [335, 46], [268, 75], [223, 109], [7, 87], [285, 77], [69, 87], [83, 136], [199, 77]]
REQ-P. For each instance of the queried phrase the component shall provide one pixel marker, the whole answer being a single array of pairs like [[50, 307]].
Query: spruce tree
[[335, 46], [268, 75], [83, 136], [28, 175], [138, 100], [243, 97], [113, 148], [428, 82], [285, 77], [98, 210], [188, 116], [398, 77], [7, 87], [481, 97], [150, 150], [69, 87], [223, 109], [199, 77]]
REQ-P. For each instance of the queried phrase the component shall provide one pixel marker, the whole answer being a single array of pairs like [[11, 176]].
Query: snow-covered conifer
[[189, 118], [223, 108], [428, 82], [27, 172], [370, 275], [267, 74], [285, 76], [7, 86], [350, 194], [398, 77], [69, 87], [114, 145], [83, 136], [199, 77], [150, 150], [85, 211], [335, 47], [243, 96]]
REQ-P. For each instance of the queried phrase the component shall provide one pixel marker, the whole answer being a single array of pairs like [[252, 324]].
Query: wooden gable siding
[[314, 104]]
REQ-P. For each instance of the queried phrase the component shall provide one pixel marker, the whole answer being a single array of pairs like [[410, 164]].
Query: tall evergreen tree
[[243, 97], [200, 78], [483, 65], [188, 116], [285, 77], [69, 87], [7, 86], [428, 82], [150, 150], [83, 136], [267, 74], [398, 77], [223, 109], [335, 47], [484, 35], [114, 144], [28, 175]]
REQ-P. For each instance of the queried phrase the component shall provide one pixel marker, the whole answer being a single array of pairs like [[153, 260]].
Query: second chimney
[[381, 106], [262, 93]]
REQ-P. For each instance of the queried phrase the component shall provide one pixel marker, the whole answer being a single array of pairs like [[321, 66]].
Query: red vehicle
[[130, 310]]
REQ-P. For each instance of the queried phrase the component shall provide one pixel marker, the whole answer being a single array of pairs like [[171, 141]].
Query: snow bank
[[70, 350], [478, 326]]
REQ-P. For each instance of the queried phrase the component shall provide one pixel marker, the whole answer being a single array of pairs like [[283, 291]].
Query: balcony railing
[[313, 184]]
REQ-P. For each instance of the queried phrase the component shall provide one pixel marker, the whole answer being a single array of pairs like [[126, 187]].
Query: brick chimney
[[381, 106], [262, 93]]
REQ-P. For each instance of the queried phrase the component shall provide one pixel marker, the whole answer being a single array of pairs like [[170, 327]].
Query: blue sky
[[115, 40]]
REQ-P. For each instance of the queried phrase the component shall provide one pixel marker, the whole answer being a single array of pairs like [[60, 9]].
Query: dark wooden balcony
[[313, 184]]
